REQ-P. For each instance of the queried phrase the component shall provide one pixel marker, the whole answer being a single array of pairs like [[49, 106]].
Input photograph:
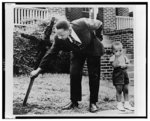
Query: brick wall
[[128, 42], [106, 68], [109, 19], [74, 13], [122, 11]]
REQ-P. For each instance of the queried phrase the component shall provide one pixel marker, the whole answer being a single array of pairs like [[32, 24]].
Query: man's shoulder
[[79, 21]]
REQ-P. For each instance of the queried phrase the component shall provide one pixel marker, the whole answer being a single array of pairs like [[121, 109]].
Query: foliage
[[26, 52]]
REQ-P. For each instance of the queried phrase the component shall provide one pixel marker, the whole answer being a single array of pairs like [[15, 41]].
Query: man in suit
[[82, 38]]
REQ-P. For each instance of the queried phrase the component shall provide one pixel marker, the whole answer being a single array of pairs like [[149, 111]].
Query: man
[[79, 38]]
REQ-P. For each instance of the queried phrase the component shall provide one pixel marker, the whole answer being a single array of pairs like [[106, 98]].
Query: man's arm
[[95, 25], [98, 33], [53, 51]]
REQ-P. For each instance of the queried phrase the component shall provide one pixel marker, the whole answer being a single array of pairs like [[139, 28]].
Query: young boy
[[120, 77]]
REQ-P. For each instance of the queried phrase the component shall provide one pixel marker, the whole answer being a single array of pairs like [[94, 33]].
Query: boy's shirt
[[122, 60]]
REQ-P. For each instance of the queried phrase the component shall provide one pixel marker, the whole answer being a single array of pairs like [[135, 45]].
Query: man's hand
[[35, 73]]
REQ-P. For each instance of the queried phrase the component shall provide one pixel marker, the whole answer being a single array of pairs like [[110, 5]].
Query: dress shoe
[[93, 108], [70, 105]]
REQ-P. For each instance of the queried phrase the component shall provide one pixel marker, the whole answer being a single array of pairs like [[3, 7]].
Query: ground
[[51, 91]]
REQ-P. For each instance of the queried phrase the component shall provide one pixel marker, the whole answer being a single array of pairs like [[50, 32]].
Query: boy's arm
[[127, 62], [114, 62], [111, 60]]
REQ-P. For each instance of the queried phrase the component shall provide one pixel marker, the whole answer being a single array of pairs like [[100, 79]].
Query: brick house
[[112, 19], [117, 26]]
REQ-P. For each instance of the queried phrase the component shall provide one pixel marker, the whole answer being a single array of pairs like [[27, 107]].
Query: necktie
[[74, 41]]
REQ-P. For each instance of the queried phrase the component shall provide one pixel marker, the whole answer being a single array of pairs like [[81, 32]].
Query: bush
[[26, 54]]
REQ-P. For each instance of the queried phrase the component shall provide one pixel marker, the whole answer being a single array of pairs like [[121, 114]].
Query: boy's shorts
[[120, 76]]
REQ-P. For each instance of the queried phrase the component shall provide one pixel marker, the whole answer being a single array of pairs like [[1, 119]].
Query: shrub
[[26, 53]]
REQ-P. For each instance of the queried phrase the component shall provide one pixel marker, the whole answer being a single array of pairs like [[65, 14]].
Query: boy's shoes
[[120, 106], [128, 106]]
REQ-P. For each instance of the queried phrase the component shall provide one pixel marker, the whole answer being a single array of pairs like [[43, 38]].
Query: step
[[131, 74], [131, 61], [131, 82], [130, 68], [130, 56]]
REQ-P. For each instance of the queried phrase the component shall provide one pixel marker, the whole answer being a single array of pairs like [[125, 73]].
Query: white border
[[140, 59], [9, 60], [139, 56]]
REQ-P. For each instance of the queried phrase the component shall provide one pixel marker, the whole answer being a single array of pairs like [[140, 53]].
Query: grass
[[52, 91]]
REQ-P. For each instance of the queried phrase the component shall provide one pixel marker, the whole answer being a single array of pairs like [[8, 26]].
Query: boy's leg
[[126, 97], [119, 92], [119, 89], [126, 92]]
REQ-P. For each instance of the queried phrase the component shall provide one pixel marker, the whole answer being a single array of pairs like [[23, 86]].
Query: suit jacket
[[91, 45]]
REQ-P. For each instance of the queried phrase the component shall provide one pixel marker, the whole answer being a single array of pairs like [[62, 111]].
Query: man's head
[[63, 29], [117, 48]]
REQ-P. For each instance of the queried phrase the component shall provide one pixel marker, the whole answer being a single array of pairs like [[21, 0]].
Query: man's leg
[[94, 77], [76, 66], [93, 64]]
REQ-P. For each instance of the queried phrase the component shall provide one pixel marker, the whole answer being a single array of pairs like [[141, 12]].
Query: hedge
[[26, 54]]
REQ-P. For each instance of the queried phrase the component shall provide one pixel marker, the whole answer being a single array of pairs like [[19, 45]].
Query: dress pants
[[76, 66]]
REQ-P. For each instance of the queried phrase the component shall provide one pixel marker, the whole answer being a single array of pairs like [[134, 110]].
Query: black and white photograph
[[74, 60]]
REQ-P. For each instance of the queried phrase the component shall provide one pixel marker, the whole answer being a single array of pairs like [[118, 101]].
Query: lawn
[[51, 91]]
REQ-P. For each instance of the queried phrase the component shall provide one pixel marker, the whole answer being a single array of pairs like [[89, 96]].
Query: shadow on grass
[[18, 108]]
